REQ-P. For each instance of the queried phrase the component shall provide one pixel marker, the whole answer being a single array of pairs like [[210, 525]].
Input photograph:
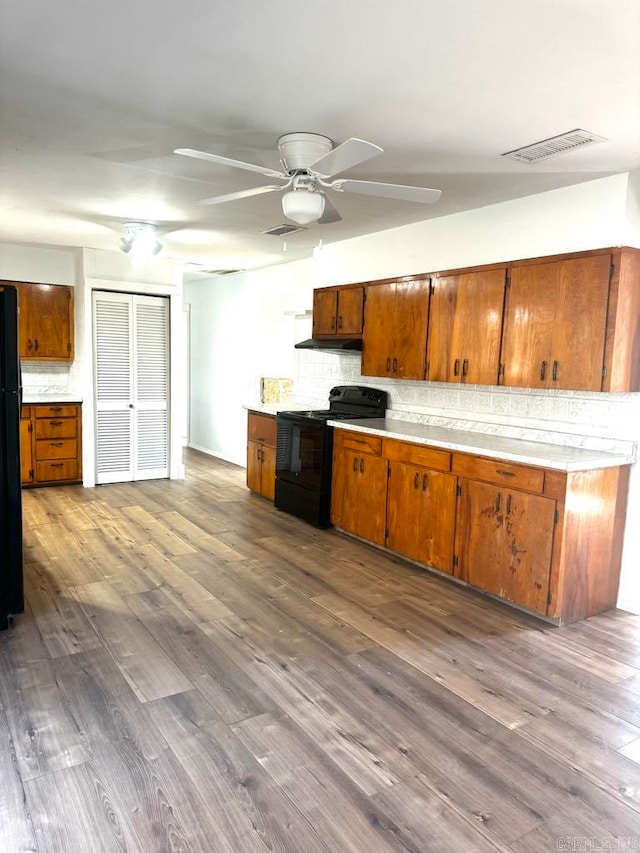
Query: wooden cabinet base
[[51, 445], [261, 454]]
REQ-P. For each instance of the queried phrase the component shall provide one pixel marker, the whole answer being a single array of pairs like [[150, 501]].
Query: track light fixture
[[140, 239]]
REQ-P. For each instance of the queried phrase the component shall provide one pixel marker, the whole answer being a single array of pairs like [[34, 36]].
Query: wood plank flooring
[[196, 671]]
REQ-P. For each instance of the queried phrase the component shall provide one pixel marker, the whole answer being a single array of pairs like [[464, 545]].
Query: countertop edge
[[590, 460]]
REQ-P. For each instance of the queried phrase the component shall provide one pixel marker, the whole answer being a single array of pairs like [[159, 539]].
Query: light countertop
[[483, 444], [274, 408], [29, 398]]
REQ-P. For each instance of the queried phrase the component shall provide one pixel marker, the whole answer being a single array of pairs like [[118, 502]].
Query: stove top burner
[[324, 415]]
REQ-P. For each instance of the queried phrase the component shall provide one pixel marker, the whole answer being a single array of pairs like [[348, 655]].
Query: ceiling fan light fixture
[[140, 239], [303, 206]]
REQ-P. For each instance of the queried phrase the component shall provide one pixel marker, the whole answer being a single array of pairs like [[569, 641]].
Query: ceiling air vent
[[283, 230], [556, 145], [220, 272]]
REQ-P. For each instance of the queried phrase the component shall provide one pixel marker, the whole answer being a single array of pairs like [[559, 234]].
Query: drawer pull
[[56, 443], [57, 464], [55, 423], [55, 408], [505, 473]]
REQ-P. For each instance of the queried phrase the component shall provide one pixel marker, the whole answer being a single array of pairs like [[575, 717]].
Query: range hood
[[332, 344]]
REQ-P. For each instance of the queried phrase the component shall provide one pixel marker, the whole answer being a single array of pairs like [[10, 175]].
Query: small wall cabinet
[[261, 454], [51, 444], [45, 321], [338, 311]]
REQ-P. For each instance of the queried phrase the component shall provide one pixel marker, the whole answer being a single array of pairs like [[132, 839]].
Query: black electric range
[[305, 448]]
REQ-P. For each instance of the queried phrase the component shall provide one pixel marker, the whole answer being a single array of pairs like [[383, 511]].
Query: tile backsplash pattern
[[597, 421], [48, 378]]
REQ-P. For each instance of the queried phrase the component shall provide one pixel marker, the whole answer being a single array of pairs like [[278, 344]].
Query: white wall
[[42, 265], [226, 369]]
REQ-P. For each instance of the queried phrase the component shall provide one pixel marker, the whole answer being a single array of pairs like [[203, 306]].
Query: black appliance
[[332, 344], [305, 448], [11, 589]]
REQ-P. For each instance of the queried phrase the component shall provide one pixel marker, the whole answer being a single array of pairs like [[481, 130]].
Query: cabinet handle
[[57, 443], [333, 323], [57, 464], [416, 481], [262, 456], [543, 370], [55, 423], [505, 473], [388, 365], [29, 344], [456, 367], [355, 463], [55, 408], [361, 464], [498, 502], [258, 453], [465, 366], [340, 322], [508, 504], [554, 372], [424, 482], [395, 365], [35, 344]]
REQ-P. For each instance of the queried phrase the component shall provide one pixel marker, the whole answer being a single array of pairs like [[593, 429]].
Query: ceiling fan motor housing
[[300, 150]]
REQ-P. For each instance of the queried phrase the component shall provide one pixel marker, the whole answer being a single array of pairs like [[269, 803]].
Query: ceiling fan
[[309, 162]]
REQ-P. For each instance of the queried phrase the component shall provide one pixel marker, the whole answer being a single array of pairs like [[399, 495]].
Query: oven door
[[303, 455]]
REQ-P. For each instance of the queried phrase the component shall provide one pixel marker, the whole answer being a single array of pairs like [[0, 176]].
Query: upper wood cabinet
[[555, 324], [46, 321], [338, 311], [394, 342], [465, 325]]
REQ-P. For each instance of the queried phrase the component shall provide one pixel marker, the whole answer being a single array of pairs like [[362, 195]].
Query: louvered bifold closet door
[[151, 384], [131, 367], [113, 368]]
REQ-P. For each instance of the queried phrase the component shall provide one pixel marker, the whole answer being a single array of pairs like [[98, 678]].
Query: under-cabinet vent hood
[[332, 344]]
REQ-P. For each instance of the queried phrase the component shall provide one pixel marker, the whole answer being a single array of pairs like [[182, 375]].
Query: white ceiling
[[94, 97]]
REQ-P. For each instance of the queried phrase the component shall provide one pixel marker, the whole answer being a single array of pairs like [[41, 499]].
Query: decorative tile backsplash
[[593, 420], [48, 378]]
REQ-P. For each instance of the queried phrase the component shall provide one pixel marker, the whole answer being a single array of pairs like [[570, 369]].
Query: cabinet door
[[344, 490], [325, 309], [350, 311], [421, 509], [555, 323], [268, 483], [377, 341], [254, 466], [371, 498], [504, 541], [46, 321], [26, 449], [409, 330], [477, 325]]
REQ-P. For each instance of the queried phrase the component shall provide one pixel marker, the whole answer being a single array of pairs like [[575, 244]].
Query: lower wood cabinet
[[359, 486], [261, 454], [544, 539], [51, 444]]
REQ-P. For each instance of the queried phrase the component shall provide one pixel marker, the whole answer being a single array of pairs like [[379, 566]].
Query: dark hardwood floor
[[196, 671]]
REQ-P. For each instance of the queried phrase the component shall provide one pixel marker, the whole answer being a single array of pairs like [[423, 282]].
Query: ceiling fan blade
[[330, 213], [349, 154], [220, 199], [227, 161], [402, 193]]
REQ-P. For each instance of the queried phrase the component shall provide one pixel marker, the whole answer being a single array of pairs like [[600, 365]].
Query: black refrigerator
[[11, 584]]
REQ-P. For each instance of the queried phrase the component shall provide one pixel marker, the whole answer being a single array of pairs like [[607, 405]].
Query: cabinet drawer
[[56, 411], [57, 428], [501, 473], [416, 454], [64, 448], [50, 472], [361, 442], [262, 428]]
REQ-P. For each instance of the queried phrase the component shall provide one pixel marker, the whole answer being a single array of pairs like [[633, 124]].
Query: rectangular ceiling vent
[[556, 145], [220, 272], [284, 230]]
